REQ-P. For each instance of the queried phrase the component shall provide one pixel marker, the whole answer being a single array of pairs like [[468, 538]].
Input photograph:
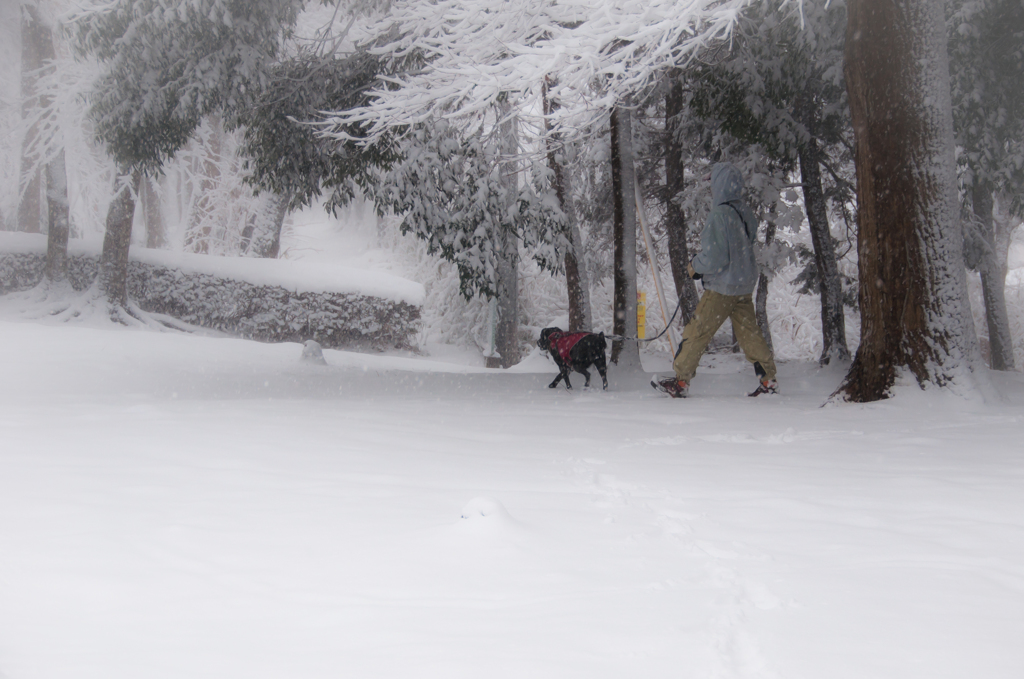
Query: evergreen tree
[[288, 158], [449, 188]]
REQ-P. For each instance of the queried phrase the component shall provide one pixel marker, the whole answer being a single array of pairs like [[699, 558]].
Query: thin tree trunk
[[506, 334], [993, 282], [113, 273], [675, 220], [36, 49], [577, 281], [577, 284], [913, 292], [156, 231], [761, 299], [199, 236], [624, 352], [59, 223], [833, 322]]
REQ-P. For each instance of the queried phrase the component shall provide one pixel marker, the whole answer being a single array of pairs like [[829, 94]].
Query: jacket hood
[[726, 183]]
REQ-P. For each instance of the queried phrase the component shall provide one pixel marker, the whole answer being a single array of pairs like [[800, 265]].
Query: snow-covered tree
[[577, 282], [623, 171], [43, 181], [455, 59], [286, 158], [913, 292], [168, 64], [36, 51], [987, 73]]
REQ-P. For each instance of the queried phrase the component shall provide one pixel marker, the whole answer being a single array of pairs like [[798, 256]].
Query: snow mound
[[485, 509], [485, 517], [312, 352]]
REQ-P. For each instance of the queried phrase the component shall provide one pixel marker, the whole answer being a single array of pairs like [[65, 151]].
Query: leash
[[617, 338]]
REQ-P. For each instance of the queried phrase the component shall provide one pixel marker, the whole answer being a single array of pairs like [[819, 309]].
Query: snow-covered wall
[[268, 300]]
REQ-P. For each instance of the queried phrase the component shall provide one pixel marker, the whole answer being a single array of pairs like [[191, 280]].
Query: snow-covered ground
[[183, 506]]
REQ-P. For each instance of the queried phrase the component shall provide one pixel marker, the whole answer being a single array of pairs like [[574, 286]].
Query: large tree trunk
[[624, 352], [577, 283], [833, 323], [36, 48], [913, 292], [506, 333], [993, 282], [59, 223], [675, 220], [113, 274]]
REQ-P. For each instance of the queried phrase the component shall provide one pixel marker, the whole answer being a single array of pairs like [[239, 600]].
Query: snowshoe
[[671, 386], [765, 387]]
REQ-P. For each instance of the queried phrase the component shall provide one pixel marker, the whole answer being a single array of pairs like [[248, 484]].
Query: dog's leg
[[586, 374], [557, 380], [602, 368], [565, 376]]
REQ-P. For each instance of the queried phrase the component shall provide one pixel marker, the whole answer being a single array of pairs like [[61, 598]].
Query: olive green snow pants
[[712, 310]]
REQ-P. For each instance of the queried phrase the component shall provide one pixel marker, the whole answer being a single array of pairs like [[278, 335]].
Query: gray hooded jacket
[[726, 259]]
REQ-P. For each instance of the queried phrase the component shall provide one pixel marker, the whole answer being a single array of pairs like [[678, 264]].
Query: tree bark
[[156, 231], [577, 283], [262, 235], [675, 220], [993, 282], [58, 217], [113, 273], [833, 322], [913, 291], [36, 49], [627, 351]]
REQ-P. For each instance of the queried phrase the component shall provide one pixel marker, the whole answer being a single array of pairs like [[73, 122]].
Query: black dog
[[575, 351]]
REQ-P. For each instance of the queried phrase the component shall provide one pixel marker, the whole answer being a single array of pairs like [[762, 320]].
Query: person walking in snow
[[728, 271]]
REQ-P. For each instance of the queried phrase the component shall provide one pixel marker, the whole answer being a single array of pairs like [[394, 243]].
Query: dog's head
[[545, 338]]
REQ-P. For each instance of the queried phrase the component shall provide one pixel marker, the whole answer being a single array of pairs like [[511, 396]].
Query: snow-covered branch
[[473, 52]]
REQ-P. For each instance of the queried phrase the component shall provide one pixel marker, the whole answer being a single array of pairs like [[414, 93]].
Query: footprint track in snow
[[736, 649]]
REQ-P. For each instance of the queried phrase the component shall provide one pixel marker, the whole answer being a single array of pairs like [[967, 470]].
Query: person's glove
[[691, 273]]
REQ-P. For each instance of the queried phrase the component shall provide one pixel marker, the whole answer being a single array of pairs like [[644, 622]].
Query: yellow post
[[641, 314]]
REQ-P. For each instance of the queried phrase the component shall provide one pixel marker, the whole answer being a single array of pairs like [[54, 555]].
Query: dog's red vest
[[563, 342]]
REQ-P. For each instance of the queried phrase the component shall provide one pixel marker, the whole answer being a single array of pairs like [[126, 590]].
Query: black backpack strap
[[746, 227]]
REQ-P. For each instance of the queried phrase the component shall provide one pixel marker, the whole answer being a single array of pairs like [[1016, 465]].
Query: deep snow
[[185, 506]]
